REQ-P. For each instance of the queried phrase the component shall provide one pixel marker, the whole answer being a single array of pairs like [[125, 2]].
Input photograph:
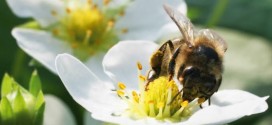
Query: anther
[[53, 13], [111, 23], [184, 103], [106, 2], [120, 93], [142, 78], [55, 32], [87, 37], [122, 13], [121, 85], [68, 10], [125, 30], [139, 65]]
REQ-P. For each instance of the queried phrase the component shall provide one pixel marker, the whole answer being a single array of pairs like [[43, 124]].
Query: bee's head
[[197, 83]]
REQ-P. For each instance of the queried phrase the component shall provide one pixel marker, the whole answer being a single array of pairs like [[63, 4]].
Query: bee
[[196, 59]]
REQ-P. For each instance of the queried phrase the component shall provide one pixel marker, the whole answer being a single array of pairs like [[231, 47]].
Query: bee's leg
[[172, 64], [209, 100], [175, 96], [156, 62], [201, 106]]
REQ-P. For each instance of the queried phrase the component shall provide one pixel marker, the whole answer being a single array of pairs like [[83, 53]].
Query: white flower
[[112, 102], [58, 23], [56, 111]]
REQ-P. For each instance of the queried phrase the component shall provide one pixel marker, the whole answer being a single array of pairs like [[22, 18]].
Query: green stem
[[217, 12], [18, 60]]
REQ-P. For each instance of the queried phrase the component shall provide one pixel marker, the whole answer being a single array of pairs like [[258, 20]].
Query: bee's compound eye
[[189, 71], [151, 75]]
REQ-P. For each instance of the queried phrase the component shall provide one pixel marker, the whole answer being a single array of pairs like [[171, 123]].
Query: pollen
[[162, 100], [139, 65], [124, 31], [88, 26], [111, 23], [68, 10], [184, 103], [120, 93], [121, 85], [106, 2], [53, 13], [201, 100]]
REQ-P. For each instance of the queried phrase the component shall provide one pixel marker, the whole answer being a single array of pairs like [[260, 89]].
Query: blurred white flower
[[84, 28], [56, 112], [123, 104]]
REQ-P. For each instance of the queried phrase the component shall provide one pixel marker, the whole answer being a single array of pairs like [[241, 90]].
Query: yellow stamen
[[53, 13], [55, 32], [135, 96], [111, 23], [87, 37], [74, 45], [142, 78], [120, 93], [90, 2], [125, 30], [160, 105], [106, 2], [139, 65], [184, 103], [134, 93], [121, 85], [122, 13], [68, 10]]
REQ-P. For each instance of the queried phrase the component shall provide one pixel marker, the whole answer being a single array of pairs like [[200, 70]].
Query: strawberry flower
[[85, 28], [124, 100]]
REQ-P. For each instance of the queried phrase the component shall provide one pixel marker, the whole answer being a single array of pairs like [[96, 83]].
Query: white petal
[[144, 19], [56, 112], [169, 31], [94, 63], [124, 120], [40, 10], [85, 88], [41, 45], [120, 63], [228, 106]]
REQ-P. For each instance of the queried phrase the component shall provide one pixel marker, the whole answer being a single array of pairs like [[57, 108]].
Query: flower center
[[161, 101], [87, 28]]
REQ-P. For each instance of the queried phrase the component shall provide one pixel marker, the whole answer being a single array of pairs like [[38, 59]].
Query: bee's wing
[[212, 36], [183, 23]]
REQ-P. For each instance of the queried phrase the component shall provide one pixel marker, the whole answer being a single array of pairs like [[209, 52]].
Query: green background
[[249, 16]]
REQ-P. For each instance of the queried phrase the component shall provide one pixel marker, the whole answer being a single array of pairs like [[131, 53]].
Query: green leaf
[[8, 85], [35, 84], [39, 109], [39, 100], [6, 112], [39, 115], [19, 103]]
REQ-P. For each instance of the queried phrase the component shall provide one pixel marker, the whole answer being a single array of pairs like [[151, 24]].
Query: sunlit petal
[[84, 86], [41, 45], [44, 11], [56, 112], [144, 19], [120, 63]]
